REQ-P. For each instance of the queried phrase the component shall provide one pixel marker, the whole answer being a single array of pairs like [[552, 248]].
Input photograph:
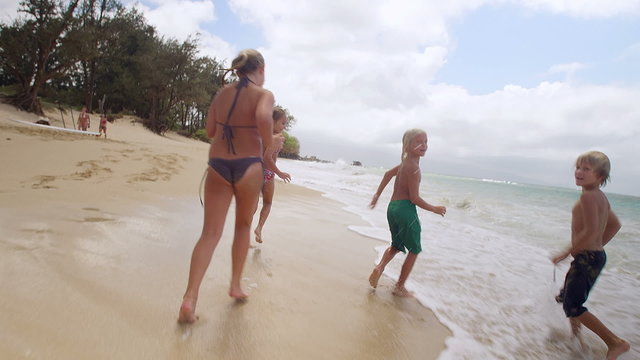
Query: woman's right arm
[[264, 119]]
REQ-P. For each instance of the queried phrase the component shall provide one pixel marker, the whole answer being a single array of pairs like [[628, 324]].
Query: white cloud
[[630, 53], [178, 19], [358, 74], [585, 8], [549, 120], [214, 47], [9, 10], [181, 19], [568, 70]]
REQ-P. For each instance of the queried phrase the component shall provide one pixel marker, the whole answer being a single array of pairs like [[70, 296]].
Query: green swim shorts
[[404, 226]]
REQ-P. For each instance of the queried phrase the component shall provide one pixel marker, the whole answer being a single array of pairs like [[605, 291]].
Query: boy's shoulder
[[408, 166], [410, 162], [594, 196]]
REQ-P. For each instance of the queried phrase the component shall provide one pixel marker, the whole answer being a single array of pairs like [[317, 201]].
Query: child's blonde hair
[[278, 112], [600, 163], [406, 140]]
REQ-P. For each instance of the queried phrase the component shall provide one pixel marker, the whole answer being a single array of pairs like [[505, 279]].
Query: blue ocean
[[485, 268]]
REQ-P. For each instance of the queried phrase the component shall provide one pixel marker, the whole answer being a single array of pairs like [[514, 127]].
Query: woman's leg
[[247, 192], [267, 197], [217, 198]]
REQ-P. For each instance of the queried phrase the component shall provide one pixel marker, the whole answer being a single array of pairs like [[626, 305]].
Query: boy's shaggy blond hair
[[406, 140], [600, 163]]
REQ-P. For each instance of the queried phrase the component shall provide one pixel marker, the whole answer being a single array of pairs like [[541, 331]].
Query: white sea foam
[[485, 268]]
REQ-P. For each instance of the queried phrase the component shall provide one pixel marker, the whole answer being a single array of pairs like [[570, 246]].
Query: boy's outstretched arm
[[383, 183], [561, 256], [270, 164]]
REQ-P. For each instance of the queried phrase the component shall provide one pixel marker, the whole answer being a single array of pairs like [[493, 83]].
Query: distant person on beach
[[593, 225], [401, 212], [271, 170], [84, 122], [103, 125], [240, 124]]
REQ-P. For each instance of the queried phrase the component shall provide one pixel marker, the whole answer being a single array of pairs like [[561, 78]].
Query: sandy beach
[[95, 240]]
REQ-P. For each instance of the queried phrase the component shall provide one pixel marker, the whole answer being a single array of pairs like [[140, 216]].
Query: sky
[[506, 90]]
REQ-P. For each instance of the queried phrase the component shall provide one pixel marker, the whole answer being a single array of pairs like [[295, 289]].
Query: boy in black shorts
[[593, 225]]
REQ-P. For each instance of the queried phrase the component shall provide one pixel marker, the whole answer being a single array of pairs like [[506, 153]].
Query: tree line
[[102, 55]]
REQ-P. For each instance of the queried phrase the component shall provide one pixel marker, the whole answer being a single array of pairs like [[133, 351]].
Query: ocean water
[[485, 268]]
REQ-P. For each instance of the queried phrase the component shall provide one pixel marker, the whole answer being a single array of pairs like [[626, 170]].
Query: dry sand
[[95, 241]]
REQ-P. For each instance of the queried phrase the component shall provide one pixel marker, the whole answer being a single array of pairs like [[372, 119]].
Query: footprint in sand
[[96, 219], [38, 231], [42, 182], [92, 169], [164, 167]]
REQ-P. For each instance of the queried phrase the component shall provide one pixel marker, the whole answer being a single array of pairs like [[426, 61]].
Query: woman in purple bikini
[[240, 124]]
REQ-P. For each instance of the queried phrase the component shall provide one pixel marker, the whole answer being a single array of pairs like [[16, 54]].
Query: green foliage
[[201, 134], [43, 44], [8, 90], [291, 147], [81, 52]]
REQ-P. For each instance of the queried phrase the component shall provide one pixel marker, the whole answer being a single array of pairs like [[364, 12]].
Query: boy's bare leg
[[575, 326], [379, 269], [239, 251], [616, 345], [266, 208], [267, 197], [187, 313], [576, 330], [401, 291], [407, 266]]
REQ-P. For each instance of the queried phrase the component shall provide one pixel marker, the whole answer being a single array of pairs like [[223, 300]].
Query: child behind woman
[[271, 169], [401, 212]]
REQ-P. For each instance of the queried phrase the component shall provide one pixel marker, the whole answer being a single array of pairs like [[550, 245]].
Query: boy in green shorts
[[401, 213]]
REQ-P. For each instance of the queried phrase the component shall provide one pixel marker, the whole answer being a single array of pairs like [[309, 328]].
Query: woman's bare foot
[[401, 291], [374, 277], [238, 294], [187, 311], [258, 233], [618, 349]]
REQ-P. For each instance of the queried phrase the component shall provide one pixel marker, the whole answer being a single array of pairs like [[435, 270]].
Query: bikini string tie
[[227, 130]]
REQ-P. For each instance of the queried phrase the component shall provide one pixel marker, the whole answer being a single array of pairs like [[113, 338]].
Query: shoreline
[[96, 241]]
